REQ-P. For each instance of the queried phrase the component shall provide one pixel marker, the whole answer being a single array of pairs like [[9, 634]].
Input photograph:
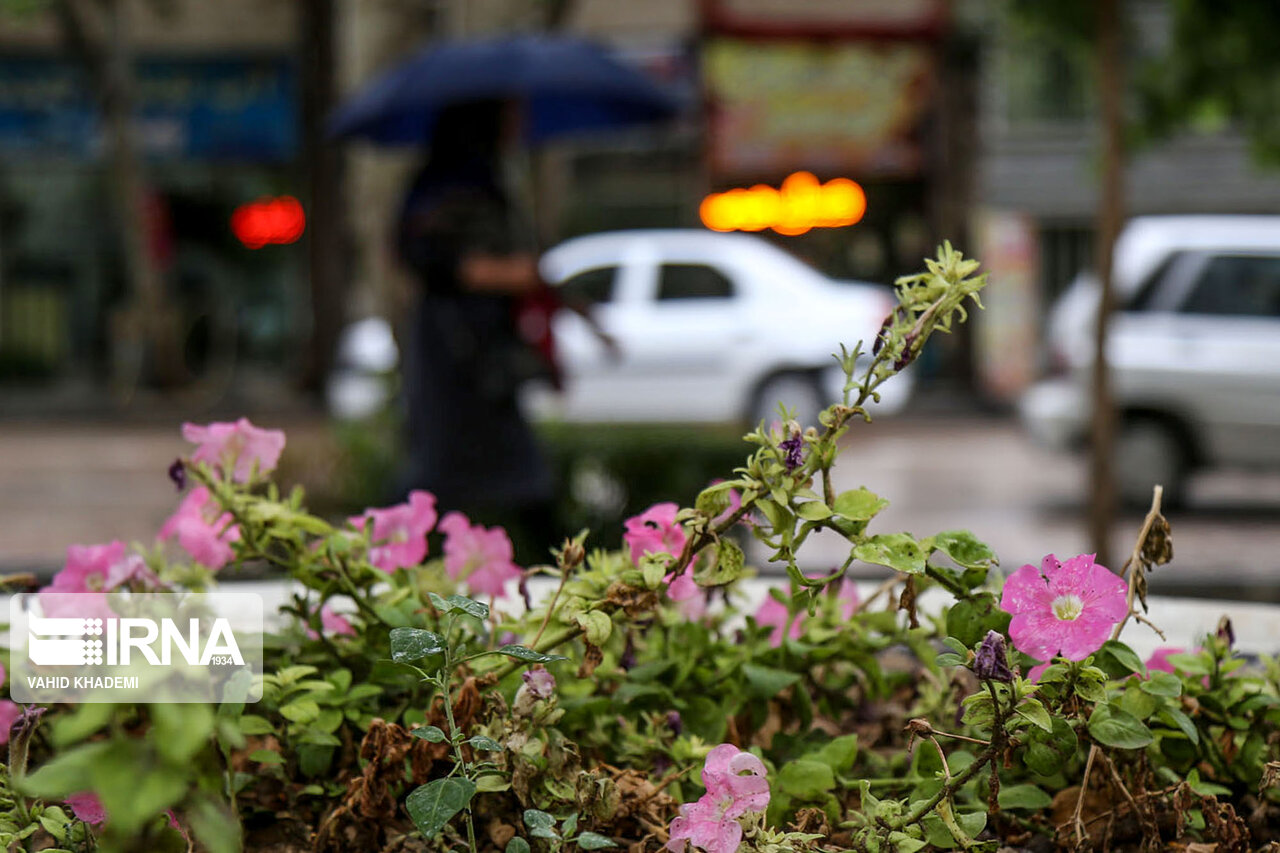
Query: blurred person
[[474, 258]]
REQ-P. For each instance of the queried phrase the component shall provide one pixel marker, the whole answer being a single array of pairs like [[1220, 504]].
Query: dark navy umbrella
[[568, 85]]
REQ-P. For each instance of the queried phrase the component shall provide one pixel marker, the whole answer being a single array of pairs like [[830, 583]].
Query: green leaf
[[301, 711], [540, 824], [969, 619], [529, 655], [1177, 719], [1046, 754], [1035, 713], [81, 722], [180, 730], [1126, 659], [1111, 726], [594, 841], [596, 626], [517, 845], [1164, 684], [433, 734], [767, 682], [486, 743], [858, 504], [805, 779], [252, 724], [469, 606], [839, 753], [411, 644], [266, 756], [66, 772], [727, 567], [898, 551], [813, 511], [1023, 797], [965, 549], [714, 499], [434, 804], [570, 825]]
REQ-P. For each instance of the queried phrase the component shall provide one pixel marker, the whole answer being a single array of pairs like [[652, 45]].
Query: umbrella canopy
[[568, 85]]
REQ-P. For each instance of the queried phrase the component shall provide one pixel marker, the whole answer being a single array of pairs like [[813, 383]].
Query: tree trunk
[[327, 247], [148, 321], [1110, 70]]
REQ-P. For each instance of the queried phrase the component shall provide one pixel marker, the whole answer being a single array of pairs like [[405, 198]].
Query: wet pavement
[[985, 475], [65, 484]]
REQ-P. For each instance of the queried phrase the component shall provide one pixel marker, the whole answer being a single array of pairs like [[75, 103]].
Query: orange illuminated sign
[[269, 221], [802, 203]]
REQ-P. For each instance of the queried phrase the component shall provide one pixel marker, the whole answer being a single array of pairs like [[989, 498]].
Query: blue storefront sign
[[235, 108]]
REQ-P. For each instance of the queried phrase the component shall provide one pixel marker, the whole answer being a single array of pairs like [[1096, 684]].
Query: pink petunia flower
[[399, 536], [1063, 608], [91, 571], [774, 612], [691, 597], [236, 447], [479, 557], [1159, 659], [332, 624], [541, 683], [87, 807], [201, 531], [736, 785], [654, 531], [10, 713]]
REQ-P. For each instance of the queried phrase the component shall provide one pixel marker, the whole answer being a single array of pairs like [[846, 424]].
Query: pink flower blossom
[[237, 447], [541, 683], [1063, 608], [691, 597], [773, 612], [88, 567], [90, 572], [201, 530], [654, 531], [399, 536], [1159, 660], [478, 557], [332, 624], [10, 713], [736, 785], [87, 807]]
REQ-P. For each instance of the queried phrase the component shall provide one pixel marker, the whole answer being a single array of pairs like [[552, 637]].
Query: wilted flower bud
[[793, 448], [675, 723], [991, 662], [541, 683], [628, 658], [178, 474], [1226, 633], [572, 554]]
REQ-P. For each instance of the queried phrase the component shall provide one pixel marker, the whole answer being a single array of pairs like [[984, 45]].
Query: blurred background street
[[64, 483], [207, 211]]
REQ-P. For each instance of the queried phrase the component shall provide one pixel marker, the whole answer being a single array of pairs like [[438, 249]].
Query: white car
[[709, 327], [1194, 351]]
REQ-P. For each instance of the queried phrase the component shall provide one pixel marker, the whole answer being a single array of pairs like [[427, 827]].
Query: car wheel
[[799, 392], [1148, 453]]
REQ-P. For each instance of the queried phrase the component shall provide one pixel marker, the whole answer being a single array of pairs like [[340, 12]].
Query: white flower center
[[1067, 607]]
